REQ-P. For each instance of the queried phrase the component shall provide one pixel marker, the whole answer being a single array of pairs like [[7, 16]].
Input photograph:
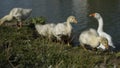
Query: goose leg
[[94, 49], [19, 25], [68, 44], [83, 46], [49, 38], [68, 41]]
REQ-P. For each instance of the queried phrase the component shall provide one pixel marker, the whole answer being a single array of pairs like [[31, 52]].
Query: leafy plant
[[37, 20]]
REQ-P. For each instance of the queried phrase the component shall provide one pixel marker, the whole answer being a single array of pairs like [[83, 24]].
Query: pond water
[[59, 10]]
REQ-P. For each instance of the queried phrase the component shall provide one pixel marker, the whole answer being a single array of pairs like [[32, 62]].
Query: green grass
[[24, 48]]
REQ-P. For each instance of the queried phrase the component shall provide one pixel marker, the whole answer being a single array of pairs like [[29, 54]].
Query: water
[[59, 10]]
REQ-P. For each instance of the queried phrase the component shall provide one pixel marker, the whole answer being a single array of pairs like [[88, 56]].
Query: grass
[[24, 48]]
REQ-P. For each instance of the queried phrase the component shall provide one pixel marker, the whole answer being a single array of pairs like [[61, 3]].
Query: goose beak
[[92, 15], [75, 21]]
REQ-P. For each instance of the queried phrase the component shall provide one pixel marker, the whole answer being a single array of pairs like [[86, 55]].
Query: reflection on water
[[59, 10]]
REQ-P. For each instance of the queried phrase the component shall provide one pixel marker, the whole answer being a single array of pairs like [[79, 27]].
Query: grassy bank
[[24, 48]]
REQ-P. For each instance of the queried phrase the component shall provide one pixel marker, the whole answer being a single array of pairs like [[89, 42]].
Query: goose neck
[[68, 25], [100, 25]]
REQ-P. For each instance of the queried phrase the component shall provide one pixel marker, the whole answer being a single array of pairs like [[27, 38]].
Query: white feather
[[64, 29], [100, 29], [17, 13], [45, 30]]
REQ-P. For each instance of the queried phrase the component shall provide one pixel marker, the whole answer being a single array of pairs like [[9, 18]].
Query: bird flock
[[91, 37]]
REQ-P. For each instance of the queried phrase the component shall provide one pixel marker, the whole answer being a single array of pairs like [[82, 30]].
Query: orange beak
[[92, 15]]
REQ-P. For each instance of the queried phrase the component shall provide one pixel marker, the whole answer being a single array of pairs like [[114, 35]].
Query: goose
[[45, 30], [100, 28], [64, 29], [17, 13], [90, 37]]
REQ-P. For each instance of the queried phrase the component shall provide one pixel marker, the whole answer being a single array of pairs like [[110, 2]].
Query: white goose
[[17, 13], [45, 30], [90, 37], [100, 29], [64, 29]]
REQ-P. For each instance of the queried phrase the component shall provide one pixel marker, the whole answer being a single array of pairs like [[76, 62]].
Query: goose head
[[27, 11], [95, 15], [72, 19], [103, 43]]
